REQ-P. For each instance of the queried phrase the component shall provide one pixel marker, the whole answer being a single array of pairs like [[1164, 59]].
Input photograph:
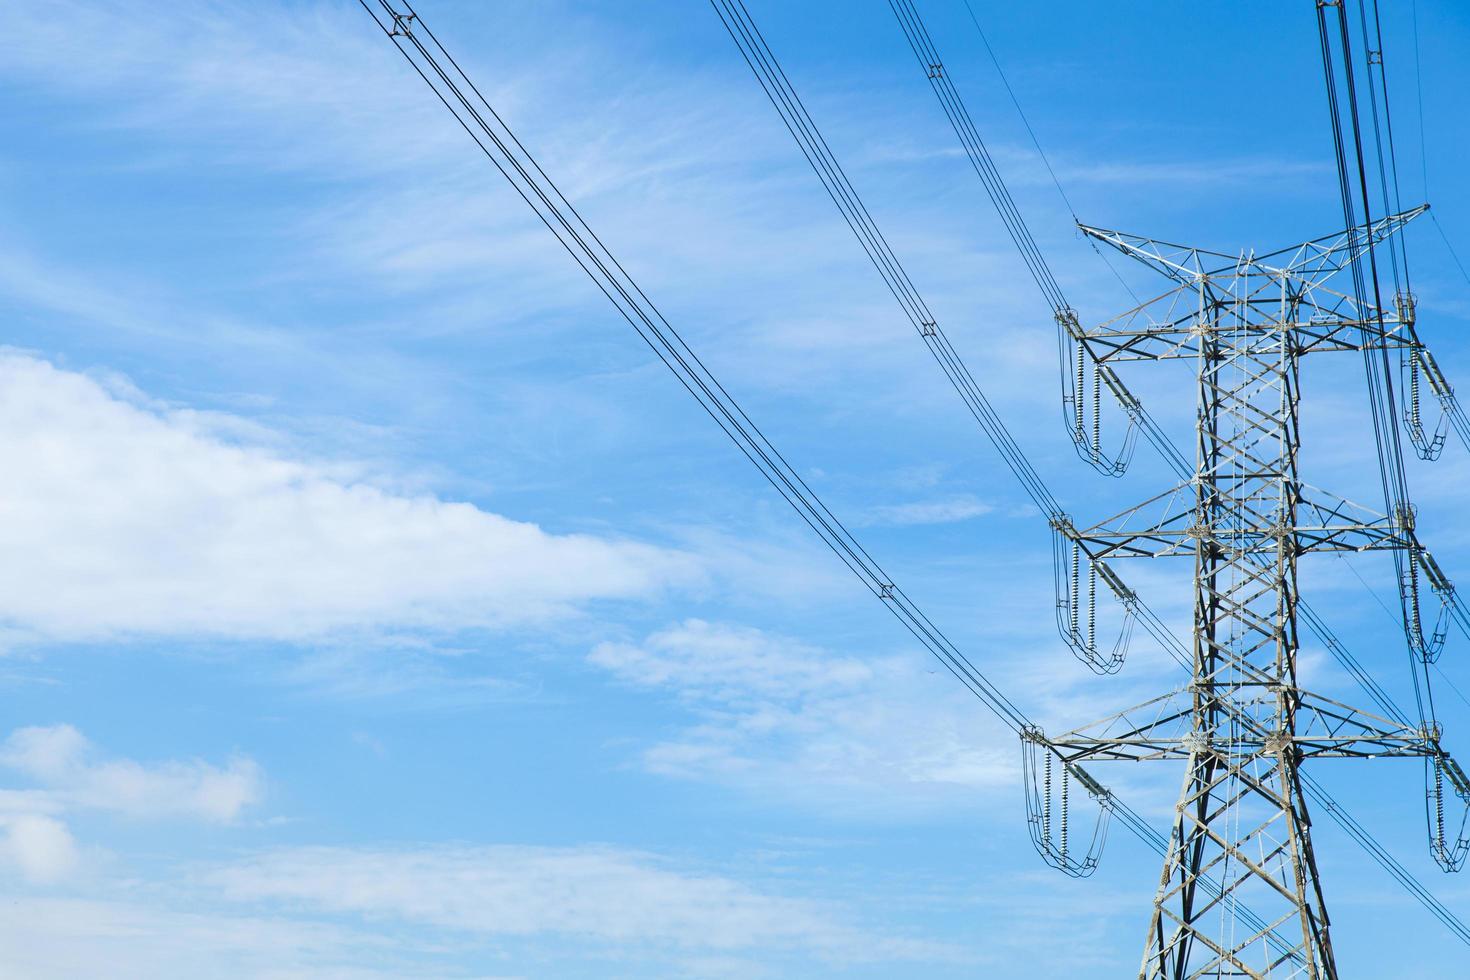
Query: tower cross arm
[[1163, 728], [1177, 522], [1315, 260]]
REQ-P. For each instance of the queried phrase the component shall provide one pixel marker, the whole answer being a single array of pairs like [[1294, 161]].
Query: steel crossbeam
[[1243, 725]]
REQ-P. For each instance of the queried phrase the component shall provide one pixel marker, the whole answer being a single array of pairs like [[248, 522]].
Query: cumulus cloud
[[126, 517], [41, 847], [71, 773], [60, 758], [771, 710]]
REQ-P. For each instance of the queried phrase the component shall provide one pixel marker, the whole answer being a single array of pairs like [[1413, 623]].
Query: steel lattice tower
[[1243, 725], [1239, 893]]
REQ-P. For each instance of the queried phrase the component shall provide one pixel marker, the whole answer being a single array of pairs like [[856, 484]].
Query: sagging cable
[[1076, 578], [1049, 818]]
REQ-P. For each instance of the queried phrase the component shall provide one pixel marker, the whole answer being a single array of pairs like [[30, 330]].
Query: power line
[[1046, 161], [803, 128], [1423, 143], [505, 151], [1419, 93], [510, 157], [1077, 629], [979, 154], [1434, 220], [1159, 439], [908, 17], [758, 56]]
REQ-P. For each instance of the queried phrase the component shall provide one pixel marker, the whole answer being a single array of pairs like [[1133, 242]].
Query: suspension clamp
[[1066, 318]]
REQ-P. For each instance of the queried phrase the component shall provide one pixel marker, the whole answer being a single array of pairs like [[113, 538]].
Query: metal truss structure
[[1243, 725], [1239, 894]]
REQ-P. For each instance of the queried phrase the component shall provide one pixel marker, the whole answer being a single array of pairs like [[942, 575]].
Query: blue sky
[[375, 607]]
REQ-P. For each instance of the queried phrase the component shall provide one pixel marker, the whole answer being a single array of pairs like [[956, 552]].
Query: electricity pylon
[[1243, 724]]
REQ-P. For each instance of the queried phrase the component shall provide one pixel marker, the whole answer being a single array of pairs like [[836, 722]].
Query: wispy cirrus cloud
[[85, 936], [946, 510], [771, 711], [313, 85], [1021, 165], [1194, 172], [670, 177], [585, 893], [456, 910]]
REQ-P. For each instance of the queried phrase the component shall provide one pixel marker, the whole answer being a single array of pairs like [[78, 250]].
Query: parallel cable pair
[[510, 157], [772, 78], [787, 102], [500, 145], [1072, 359]]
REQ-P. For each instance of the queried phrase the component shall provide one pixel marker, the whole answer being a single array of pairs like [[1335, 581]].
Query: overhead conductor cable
[[505, 151]]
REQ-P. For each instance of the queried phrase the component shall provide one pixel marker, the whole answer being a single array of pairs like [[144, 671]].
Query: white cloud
[[522, 890], [1194, 172], [944, 511], [730, 663], [123, 517], [445, 911], [772, 710], [40, 846], [598, 894], [669, 172], [50, 938], [65, 764], [70, 773], [203, 66]]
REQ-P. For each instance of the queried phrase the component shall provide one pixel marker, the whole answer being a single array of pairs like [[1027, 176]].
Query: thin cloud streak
[[590, 893], [770, 712]]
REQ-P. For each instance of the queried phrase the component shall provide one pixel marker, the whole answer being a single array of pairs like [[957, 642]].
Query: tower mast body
[[1241, 815], [1243, 725]]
